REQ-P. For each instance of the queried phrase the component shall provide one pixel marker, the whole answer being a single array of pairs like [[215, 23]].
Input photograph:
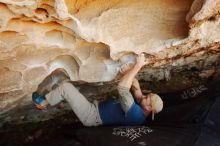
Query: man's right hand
[[141, 60]]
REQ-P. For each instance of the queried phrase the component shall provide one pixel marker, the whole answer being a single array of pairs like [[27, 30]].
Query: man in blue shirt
[[122, 111]]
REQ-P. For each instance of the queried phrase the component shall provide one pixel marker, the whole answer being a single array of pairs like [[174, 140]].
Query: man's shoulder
[[135, 114], [135, 108]]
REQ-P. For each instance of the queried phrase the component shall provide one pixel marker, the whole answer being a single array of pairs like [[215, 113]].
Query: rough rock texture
[[91, 39]]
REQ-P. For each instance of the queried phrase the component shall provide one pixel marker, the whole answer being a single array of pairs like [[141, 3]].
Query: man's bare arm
[[135, 88], [125, 97]]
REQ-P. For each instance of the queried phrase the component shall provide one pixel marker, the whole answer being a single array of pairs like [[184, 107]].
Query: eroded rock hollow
[[91, 39]]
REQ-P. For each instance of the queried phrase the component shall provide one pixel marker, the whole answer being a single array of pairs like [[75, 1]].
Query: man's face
[[146, 104]]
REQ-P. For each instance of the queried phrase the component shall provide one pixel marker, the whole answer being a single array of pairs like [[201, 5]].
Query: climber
[[125, 110]]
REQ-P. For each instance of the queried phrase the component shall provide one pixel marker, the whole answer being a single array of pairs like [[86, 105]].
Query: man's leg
[[87, 112]]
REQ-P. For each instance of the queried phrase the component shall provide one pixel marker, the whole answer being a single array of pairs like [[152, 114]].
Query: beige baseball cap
[[156, 104]]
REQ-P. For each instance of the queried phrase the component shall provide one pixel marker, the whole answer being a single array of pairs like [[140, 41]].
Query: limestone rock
[[91, 39]]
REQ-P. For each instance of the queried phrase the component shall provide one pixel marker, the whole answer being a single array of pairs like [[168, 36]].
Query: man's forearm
[[136, 89], [135, 84], [128, 78]]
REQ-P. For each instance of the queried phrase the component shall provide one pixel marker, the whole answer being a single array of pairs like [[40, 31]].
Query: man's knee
[[68, 86]]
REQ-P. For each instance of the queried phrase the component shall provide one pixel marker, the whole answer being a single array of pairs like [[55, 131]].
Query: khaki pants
[[86, 111]]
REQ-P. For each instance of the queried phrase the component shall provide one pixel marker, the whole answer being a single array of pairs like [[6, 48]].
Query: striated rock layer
[[91, 39]]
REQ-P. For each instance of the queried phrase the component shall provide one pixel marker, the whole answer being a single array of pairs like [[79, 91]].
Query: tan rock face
[[91, 39]]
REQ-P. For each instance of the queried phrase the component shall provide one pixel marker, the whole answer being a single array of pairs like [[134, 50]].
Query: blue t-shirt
[[111, 113]]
